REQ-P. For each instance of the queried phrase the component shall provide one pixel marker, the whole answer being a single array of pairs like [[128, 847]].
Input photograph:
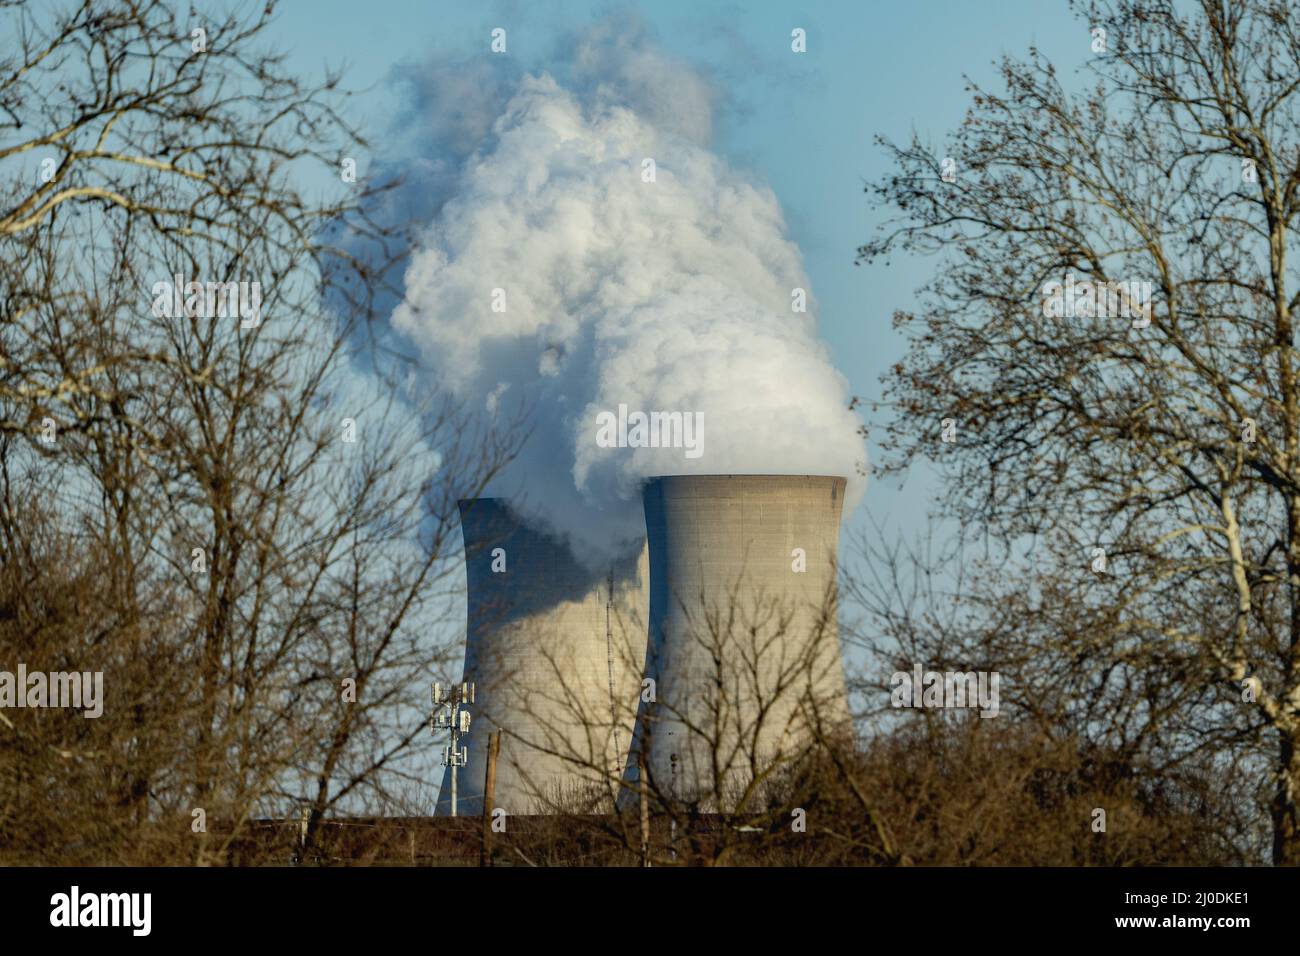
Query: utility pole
[[453, 717], [489, 797]]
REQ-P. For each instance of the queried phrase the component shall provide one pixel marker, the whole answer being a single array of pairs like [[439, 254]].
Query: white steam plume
[[672, 295]]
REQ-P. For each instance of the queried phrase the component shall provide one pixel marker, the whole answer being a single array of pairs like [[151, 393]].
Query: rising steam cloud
[[672, 295]]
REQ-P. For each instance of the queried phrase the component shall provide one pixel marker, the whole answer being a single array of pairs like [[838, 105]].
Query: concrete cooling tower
[[743, 642], [557, 652]]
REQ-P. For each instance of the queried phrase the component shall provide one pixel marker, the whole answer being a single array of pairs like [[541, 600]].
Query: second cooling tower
[[744, 645], [556, 650]]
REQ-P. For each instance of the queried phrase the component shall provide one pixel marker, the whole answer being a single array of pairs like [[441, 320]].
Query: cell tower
[[452, 716]]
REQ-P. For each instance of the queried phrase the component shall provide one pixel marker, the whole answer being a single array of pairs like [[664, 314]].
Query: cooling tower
[[556, 651], [743, 641]]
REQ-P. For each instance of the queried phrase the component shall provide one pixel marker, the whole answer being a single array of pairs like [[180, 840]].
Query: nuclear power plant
[[711, 656], [555, 650], [743, 641]]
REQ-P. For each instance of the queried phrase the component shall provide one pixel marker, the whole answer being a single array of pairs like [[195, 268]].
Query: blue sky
[[803, 124]]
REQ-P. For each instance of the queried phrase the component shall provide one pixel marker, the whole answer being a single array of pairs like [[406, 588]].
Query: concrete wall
[[538, 646], [742, 646]]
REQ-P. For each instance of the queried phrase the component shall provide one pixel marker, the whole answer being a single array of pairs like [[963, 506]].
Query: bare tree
[[1078, 762], [246, 534], [745, 707], [1147, 449]]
